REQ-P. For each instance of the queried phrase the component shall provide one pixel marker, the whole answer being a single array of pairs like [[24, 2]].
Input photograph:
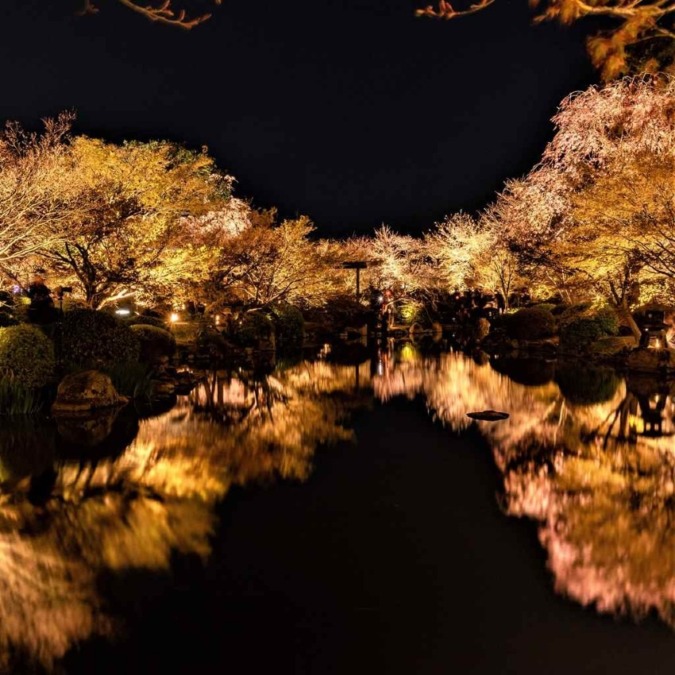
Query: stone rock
[[488, 416], [86, 391]]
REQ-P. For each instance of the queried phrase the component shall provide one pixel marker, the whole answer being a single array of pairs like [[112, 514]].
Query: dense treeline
[[153, 221]]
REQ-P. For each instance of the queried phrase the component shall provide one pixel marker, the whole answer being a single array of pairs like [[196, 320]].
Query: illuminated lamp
[[654, 330]]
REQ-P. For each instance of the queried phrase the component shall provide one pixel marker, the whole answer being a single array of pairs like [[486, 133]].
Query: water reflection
[[586, 454], [86, 497]]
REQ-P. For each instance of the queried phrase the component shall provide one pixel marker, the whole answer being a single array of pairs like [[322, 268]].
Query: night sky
[[353, 112]]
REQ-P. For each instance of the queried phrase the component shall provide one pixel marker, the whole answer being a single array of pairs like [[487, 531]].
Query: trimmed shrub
[[210, 342], [253, 327], [146, 320], [581, 333], [26, 356], [548, 306], [608, 320], [155, 343], [587, 385], [530, 323], [289, 325], [573, 312], [92, 339]]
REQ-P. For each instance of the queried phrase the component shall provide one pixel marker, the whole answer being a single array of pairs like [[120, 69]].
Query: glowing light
[[174, 317], [123, 312]]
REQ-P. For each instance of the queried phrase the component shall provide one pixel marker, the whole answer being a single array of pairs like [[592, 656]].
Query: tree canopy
[[638, 35]]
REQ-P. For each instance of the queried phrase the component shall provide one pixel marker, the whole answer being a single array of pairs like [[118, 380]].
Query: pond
[[330, 518]]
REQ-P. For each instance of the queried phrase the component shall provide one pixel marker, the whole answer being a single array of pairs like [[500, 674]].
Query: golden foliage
[[609, 49]]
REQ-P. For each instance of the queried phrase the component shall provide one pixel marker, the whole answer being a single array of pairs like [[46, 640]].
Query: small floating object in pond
[[488, 416]]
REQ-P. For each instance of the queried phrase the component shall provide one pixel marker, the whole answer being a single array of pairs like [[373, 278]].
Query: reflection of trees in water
[[594, 464], [134, 506], [50, 559]]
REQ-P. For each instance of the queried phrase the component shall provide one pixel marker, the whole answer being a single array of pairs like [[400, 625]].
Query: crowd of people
[[459, 307]]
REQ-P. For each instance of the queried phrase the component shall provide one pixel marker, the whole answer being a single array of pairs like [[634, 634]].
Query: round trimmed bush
[[26, 355], [95, 339], [581, 333], [547, 306], [253, 327], [289, 325], [571, 313], [530, 323], [586, 385], [608, 320], [155, 343], [146, 320]]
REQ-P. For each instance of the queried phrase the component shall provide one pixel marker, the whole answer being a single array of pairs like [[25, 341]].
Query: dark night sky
[[350, 111]]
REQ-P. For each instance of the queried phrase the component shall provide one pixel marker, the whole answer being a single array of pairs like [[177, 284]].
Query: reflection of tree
[[133, 510], [599, 478]]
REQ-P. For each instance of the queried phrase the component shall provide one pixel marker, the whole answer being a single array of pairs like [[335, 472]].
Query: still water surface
[[339, 519]]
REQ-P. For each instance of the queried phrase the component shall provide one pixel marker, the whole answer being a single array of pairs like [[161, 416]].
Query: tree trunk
[[625, 314]]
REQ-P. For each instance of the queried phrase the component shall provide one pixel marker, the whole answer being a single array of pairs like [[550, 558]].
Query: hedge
[[94, 339], [26, 355], [530, 323], [155, 343]]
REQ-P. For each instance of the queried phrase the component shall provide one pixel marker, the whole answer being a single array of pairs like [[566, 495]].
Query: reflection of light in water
[[600, 478], [604, 504], [157, 497]]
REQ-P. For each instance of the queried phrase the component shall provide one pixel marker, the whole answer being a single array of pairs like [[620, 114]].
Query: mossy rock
[[85, 391]]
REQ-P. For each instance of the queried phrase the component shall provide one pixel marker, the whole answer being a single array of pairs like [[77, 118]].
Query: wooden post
[[357, 265]]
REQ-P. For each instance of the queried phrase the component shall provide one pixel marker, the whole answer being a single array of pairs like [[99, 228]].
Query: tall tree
[[131, 202], [269, 262], [36, 195], [599, 206]]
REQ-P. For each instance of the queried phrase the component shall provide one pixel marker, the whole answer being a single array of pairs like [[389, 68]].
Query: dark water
[[349, 519]]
